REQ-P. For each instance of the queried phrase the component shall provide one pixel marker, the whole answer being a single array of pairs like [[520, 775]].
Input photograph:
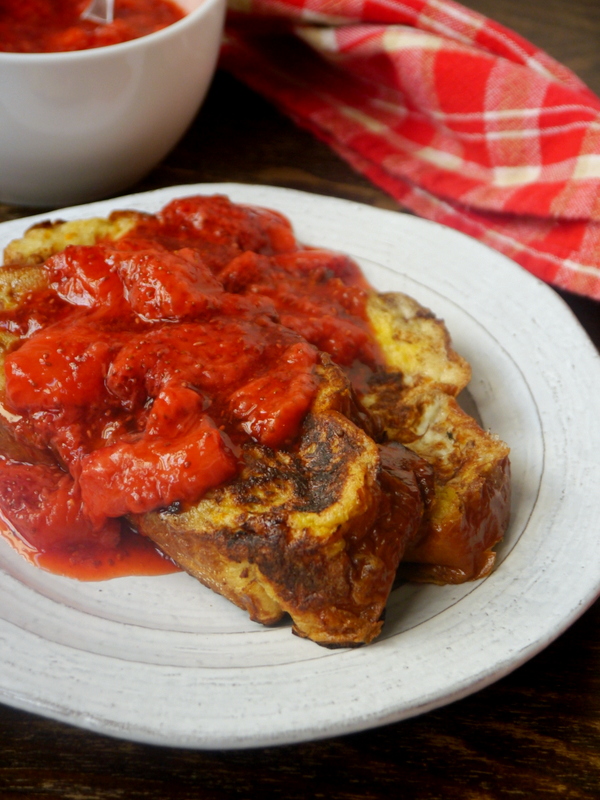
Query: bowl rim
[[189, 18]]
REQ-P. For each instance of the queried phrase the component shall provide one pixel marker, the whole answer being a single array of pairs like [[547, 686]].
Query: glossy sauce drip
[[149, 362], [132, 555], [50, 26]]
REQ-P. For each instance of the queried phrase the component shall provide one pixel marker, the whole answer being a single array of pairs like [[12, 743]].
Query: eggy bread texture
[[47, 238], [314, 533], [415, 402]]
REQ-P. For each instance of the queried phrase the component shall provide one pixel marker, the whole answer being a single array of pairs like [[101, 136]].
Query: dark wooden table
[[534, 734]]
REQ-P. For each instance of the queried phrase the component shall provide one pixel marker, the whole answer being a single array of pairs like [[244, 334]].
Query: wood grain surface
[[534, 734]]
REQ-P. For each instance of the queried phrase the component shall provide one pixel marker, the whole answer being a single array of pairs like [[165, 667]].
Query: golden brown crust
[[47, 238], [461, 528], [307, 533], [415, 404], [416, 343]]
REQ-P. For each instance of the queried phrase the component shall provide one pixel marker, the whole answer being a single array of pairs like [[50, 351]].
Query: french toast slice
[[316, 533], [414, 400]]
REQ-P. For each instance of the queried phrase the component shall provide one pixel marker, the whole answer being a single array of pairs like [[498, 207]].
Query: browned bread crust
[[415, 402], [313, 533]]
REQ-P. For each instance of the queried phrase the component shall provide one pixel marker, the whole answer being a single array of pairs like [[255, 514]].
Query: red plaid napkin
[[458, 118]]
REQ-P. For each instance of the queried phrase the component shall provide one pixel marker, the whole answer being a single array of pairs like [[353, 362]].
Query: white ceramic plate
[[166, 661]]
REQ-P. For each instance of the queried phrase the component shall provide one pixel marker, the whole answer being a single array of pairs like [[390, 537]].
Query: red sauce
[[132, 555], [149, 362], [49, 26]]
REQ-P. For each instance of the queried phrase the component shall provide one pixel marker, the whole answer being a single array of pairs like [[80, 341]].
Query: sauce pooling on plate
[[141, 366], [49, 26]]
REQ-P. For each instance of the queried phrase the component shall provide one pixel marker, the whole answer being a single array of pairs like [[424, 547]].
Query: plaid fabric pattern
[[458, 118]]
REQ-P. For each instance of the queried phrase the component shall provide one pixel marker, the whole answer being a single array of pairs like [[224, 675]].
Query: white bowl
[[82, 125]]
